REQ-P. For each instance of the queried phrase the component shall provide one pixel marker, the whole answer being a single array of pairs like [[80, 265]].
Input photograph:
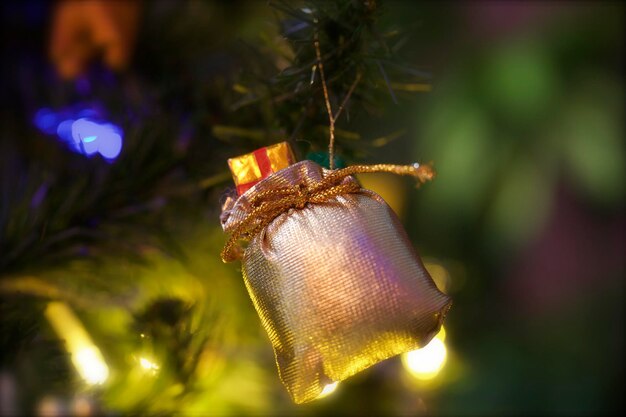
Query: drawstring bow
[[269, 204]]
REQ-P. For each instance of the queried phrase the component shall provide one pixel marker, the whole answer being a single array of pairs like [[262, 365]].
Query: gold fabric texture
[[337, 284]]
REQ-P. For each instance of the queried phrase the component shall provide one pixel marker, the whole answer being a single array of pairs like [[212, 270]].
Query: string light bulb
[[148, 364], [328, 389], [85, 355], [427, 362]]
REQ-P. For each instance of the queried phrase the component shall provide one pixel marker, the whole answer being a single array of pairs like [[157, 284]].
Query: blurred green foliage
[[505, 126], [526, 130]]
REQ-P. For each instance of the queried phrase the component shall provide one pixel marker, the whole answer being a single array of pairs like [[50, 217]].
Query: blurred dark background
[[114, 299]]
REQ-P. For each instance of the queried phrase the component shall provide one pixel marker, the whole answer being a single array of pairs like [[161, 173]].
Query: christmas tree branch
[[347, 97], [43, 289]]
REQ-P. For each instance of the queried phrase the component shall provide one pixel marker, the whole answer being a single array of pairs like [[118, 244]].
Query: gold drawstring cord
[[268, 204]]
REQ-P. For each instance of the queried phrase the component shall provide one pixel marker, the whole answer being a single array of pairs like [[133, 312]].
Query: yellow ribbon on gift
[[269, 204]]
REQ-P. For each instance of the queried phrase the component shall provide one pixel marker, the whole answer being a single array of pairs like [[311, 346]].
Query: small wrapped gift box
[[252, 167]]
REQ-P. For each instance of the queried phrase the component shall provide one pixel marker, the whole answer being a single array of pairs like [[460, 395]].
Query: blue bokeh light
[[83, 130], [92, 137], [64, 132], [110, 141], [46, 120]]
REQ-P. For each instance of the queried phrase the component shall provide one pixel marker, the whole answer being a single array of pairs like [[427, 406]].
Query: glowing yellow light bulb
[[85, 355], [441, 335], [90, 365], [427, 362], [148, 365], [328, 389]]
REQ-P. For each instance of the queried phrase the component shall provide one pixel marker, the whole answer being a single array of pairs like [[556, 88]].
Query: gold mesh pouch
[[337, 284]]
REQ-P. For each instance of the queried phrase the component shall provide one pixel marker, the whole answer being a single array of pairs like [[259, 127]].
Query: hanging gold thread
[[269, 204], [331, 118]]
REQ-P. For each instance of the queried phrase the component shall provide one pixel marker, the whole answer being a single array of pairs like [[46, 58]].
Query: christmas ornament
[[330, 270]]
